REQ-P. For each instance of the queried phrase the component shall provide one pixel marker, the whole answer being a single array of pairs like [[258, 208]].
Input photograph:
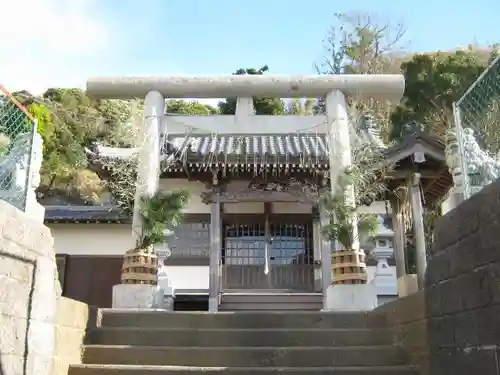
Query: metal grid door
[[287, 265]]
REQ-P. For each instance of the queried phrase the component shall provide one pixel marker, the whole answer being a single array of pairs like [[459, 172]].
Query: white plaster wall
[[244, 208], [291, 208], [189, 277], [92, 239]]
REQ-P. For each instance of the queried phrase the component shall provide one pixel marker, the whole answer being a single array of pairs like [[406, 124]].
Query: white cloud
[[60, 43], [50, 43]]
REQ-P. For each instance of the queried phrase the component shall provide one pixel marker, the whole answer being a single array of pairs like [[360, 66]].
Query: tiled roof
[[297, 148], [304, 148], [89, 214]]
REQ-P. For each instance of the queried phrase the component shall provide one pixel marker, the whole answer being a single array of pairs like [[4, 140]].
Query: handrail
[[16, 102]]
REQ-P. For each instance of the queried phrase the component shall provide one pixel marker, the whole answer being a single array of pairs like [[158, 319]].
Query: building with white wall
[[85, 238]]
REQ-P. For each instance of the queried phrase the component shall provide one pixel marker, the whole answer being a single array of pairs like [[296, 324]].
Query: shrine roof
[[284, 147], [430, 145], [232, 148]]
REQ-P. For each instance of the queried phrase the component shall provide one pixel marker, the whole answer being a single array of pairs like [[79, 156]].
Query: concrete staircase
[[252, 301], [151, 343]]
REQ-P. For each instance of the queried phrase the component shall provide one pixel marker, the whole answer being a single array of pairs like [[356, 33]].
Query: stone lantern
[[384, 278]]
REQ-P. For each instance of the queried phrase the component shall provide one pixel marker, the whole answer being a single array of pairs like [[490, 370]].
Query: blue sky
[[216, 37], [82, 38]]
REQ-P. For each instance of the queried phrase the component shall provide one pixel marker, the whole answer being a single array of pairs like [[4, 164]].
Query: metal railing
[[477, 128], [17, 129]]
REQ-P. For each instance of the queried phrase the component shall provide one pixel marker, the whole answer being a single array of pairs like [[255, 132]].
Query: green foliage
[[45, 126], [122, 182], [343, 216], [68, 121], [301, 107], [24, 97], [182, 107], [433, 82], [263, 106], [160, 213], [366, 177]]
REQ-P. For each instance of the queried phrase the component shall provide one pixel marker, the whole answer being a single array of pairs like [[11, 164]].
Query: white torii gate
[[335, 122]]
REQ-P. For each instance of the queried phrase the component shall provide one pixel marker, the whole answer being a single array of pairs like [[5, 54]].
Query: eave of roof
[[267, 149], [294, 153], [85, 214]]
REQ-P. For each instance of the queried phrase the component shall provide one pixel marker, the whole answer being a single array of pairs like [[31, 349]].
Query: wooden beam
[[399, 236], [405, 174], [418, 228], [215, 253], [431, 185]]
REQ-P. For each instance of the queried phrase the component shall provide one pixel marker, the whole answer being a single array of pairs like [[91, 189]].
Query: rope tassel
[[266, 248]]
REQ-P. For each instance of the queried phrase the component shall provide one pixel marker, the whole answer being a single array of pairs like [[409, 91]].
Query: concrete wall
[[73, 319], [30, 303], [28, 294], [407, 318], [453, 326]]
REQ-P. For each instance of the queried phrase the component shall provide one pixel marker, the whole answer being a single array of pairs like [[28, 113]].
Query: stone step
[[238, 337], [271, 301], [283, 306], [244, 356], [176, 370], [243, 319], [272, 297]]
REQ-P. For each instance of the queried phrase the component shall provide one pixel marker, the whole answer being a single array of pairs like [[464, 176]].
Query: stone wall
[[30, 302], [73, 319], [463, 288], [453, 326], [407, 318]]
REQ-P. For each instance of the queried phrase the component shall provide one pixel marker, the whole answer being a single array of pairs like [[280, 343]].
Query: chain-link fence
[[477, 120], [17, 127]]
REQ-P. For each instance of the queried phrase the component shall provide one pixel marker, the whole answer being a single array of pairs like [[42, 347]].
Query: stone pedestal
[[138, 296], [384, 280], [168, 293], [408, 284], [350, 298], [163, 252]]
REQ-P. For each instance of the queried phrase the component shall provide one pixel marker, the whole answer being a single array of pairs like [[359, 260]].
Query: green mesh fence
[[477, 117], [16, 134]]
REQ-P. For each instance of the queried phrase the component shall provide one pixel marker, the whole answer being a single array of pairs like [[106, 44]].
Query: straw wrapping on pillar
[[349, 267], [139, 267]]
